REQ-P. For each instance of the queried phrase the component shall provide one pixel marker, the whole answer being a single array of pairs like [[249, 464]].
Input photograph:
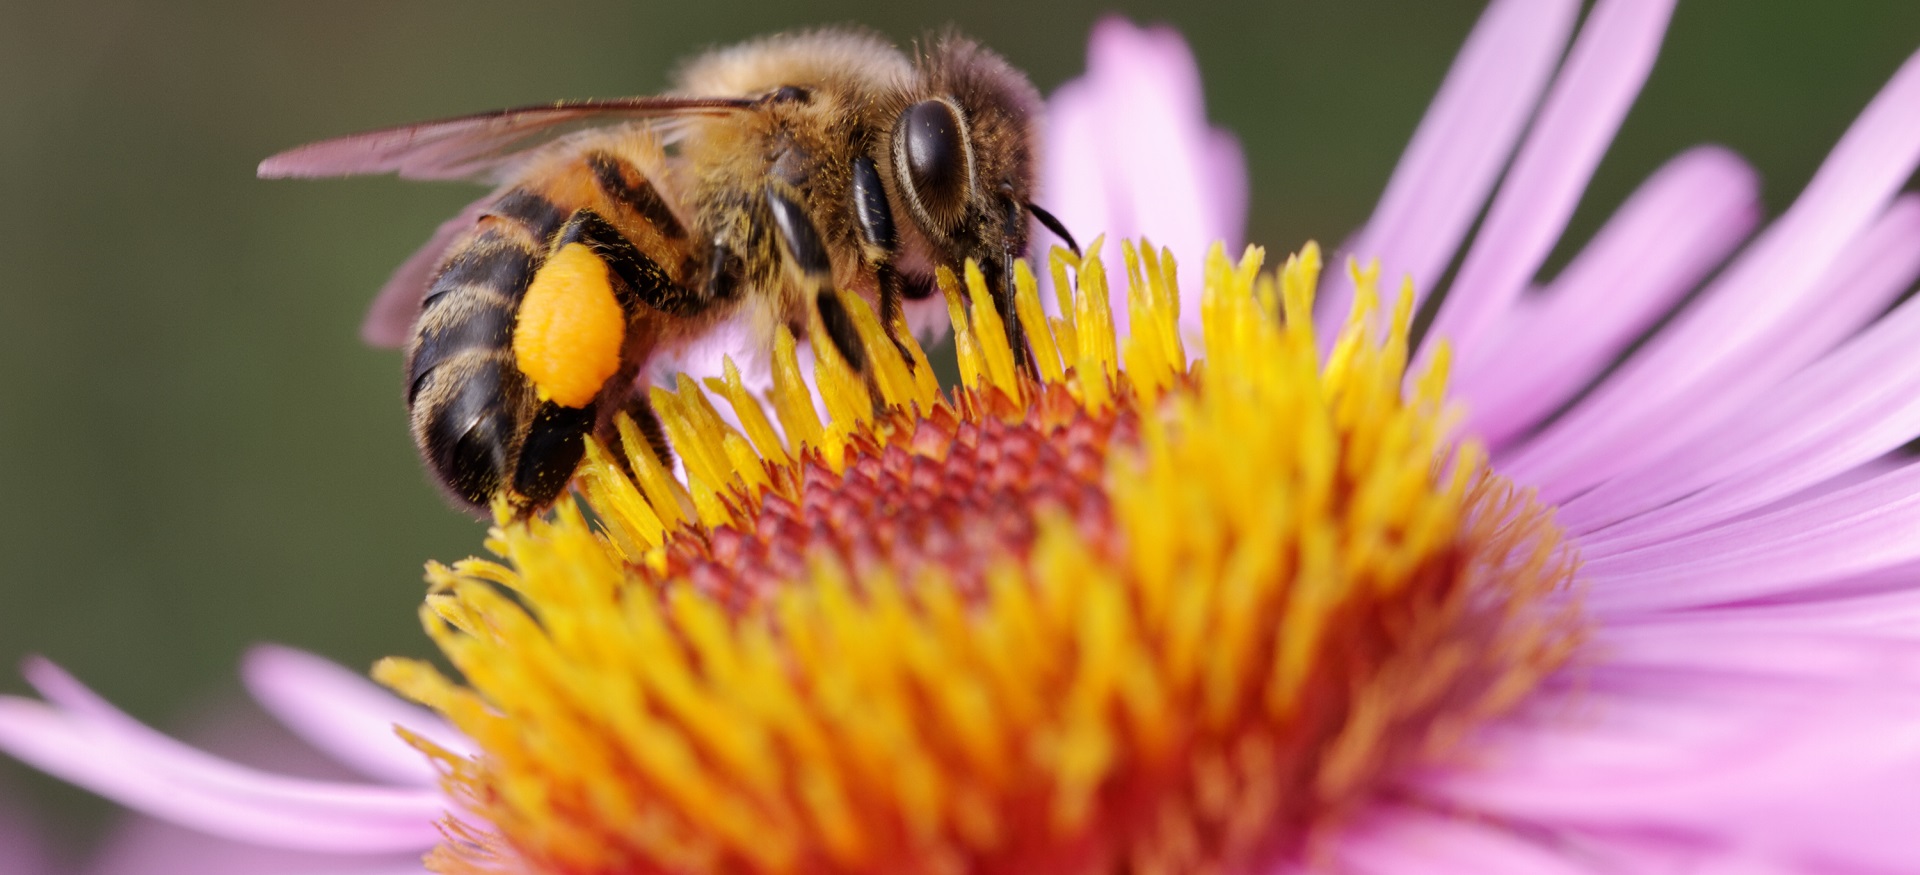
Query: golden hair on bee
[[775, 172]]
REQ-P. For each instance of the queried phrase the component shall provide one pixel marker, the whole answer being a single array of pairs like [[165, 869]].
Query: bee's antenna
[[1054, 225]]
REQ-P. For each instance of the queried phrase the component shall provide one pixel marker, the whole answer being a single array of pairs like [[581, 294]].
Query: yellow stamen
[[752, 416], [1178, 614]]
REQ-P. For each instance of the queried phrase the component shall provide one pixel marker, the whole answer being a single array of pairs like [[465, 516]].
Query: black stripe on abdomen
[[627, 186], [491, 262], [471, 305], [470, 435], [533, 212], [484, 323]]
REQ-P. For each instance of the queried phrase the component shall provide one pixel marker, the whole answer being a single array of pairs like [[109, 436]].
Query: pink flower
[[1129, 152], [1748, 698], [1750, 534], [243, 819], [20, 841]]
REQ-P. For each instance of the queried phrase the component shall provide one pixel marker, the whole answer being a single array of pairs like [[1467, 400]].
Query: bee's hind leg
[[642, 281], [638, 284], [628, 394]]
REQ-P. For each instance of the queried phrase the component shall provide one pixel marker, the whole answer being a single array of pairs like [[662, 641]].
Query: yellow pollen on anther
[[1175, 600]]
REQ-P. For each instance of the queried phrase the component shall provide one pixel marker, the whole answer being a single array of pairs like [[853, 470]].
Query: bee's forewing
[[477, 147]]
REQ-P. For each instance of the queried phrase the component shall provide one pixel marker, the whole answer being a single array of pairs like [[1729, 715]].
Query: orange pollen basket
[[1142, 613]]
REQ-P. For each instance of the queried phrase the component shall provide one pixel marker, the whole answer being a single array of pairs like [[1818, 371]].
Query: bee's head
[[962, 155]]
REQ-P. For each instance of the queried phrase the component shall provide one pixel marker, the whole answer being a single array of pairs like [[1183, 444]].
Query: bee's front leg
[[878, 244], [1000, 284], [807, 258]]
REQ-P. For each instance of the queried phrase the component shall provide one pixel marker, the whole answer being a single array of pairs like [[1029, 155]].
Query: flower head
[[1138, 612], [1240, 594]]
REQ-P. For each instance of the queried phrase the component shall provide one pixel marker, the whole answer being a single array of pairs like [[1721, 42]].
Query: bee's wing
[[478, 147], [391, 317]]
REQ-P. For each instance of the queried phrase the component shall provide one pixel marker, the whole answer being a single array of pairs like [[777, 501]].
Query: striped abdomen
[[479, 421]]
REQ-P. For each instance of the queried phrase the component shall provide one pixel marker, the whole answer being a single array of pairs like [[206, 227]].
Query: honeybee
[[620, 230]]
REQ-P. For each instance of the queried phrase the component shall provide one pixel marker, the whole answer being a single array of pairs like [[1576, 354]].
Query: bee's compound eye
[[570, 329], [932, 160]]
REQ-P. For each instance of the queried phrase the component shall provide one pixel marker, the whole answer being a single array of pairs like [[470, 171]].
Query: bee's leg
[[878, 243], [643, 282], [1000, 283], [807, 257], [1016, 333], [721, 279], [554, 445], [556, 440], [636, 405], [641, 410], [840, 330]]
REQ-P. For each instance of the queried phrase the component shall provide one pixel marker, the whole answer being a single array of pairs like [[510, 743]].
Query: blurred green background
[[197, 452]]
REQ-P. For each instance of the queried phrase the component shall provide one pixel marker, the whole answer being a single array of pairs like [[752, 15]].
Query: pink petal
[[237, 728], [1747, 501], [1855, 405], [1682, 222], [107, 752], [21, 852], [1178, 165], [1073, 183], [1881, 604], [1798, 750], [1869, 274], [1710, 355], [1601, 78], [1854, 531], [152, 847], [345, 715], [1399, 840], [1462, 143], [1675, 653], [1891, 612], [1128, 151], [1393, 839]]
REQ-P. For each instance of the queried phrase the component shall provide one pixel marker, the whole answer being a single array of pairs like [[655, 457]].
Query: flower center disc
[[946, 494], [1132, 612]]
